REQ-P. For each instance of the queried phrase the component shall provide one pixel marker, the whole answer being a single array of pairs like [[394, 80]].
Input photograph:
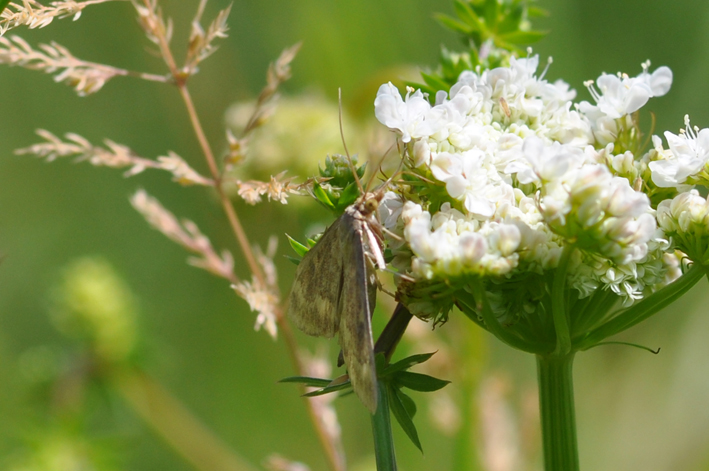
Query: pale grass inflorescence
[[33, 14], [260, 292]]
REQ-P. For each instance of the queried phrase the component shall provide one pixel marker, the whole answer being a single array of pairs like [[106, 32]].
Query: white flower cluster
[[516, 171], [684, 161], [686, 219], [684, 211], [618, 96]]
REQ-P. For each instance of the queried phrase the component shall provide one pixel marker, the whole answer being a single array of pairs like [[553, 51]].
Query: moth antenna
[[380, 167], [344, 144], [401, 163], [423, 179]]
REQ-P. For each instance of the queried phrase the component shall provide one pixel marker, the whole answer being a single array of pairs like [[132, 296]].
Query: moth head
[[370, 204]]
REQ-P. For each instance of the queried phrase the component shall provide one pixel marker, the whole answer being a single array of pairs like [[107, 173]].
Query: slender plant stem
[[176, 425], [557, 410], [558, 298], [381, 429], [331, 448], [227, 205]]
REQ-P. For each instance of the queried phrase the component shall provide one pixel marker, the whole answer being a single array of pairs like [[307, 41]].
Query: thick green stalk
[[558, 417], [558, 298], [381, 429]]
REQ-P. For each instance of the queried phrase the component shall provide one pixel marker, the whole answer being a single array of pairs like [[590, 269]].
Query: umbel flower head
[[513, 191]]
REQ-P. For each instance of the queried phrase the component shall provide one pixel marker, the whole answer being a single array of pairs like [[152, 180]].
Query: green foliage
[[340, 189], [395, 377], [492, 31], [503, 23], [404, 413], [299, 249]]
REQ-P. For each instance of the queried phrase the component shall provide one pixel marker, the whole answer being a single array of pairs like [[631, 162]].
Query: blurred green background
[[635, 410]]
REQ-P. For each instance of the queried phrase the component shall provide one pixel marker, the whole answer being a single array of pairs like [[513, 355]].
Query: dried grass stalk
[[85, 77], [114, 155], [277, 189], [263, 297], [200, 42], [152, 21], [278, 72], [35, 15]]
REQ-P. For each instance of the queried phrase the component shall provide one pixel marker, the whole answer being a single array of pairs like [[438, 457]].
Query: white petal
[[661, 81], [446, 165]]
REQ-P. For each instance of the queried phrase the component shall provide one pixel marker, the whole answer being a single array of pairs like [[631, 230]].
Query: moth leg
[[374, 247], [396, 237]]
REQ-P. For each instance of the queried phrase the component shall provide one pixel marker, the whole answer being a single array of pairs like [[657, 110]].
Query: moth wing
[[315, 295], [356, 306]]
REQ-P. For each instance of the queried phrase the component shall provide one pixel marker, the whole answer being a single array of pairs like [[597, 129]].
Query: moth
[[335, 290]]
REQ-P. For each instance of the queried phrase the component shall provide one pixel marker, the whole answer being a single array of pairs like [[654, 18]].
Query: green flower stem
[[558, 298], [599, 306], [383, 438], [492, 324], [644, 309], [556, 406]]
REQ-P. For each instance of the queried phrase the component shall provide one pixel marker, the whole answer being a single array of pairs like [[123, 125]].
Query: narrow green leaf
[[307, 381], [361, 169], [465, 13], [299, 248], [322, 197], [294, 260], [491, 12], [407, 363], [435, 82], [330, 388], [511, 20], [3, 4], [408, 403], [402, 416], [348, 196], [420, 382], [453, 24], [523, 37]]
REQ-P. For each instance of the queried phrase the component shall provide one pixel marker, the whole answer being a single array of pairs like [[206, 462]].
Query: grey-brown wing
[[356, 306], [315, 295]]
